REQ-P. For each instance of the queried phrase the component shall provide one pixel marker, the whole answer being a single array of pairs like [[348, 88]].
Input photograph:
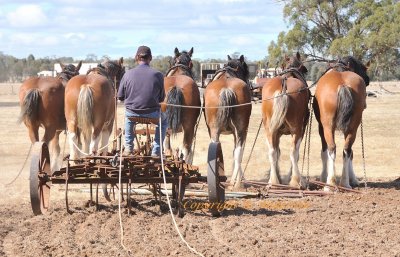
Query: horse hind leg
[[273, 156], [33, 132], [348, 178], [73, 144], [295, 180], [330, 155], [188, 136], [51, 137], [98, 133], [237, 174], [105, 136]]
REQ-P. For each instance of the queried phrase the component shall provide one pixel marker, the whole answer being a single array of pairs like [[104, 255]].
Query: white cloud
[[181, 38], [242, 40], [75, 36], [31, 40], [27, 16], [202, 21], [246, 20]]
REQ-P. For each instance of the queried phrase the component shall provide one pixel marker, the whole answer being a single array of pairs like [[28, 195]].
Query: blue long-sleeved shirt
[[142, 89]]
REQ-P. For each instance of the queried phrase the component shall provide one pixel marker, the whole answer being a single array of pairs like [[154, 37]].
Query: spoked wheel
[[110, 192], [40, 178], [216, 191], [177, 194]]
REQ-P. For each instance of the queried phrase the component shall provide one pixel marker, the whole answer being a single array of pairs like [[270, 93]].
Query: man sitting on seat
[[142, 90]]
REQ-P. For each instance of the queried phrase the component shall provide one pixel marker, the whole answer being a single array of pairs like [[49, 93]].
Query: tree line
[[366, 29], [14, 69]]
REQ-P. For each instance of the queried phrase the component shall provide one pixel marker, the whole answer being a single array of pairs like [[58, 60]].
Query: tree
[[91, 58], [368, 30]]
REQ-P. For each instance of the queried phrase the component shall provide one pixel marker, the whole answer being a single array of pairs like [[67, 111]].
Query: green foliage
[[368, 30]]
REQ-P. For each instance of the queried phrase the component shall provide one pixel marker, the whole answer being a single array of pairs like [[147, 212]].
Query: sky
[[76, 28]]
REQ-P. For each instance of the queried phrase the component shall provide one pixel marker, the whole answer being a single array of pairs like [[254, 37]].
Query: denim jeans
[[129, 135]]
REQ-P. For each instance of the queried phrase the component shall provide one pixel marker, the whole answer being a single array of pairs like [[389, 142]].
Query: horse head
[[354, 65], [238, 68], [183, 58], [113, 69], [294, 62], [68, 71]]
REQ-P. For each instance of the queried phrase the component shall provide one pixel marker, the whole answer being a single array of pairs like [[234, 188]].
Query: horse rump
[[345, 108], [85, 110], [227, 98], [30, 107], [174, 110]]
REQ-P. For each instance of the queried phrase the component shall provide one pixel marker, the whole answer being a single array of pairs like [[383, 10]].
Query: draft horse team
[[85, 105]]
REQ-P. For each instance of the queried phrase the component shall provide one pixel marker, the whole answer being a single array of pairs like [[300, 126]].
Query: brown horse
[[339, 103], [42, 104], [181, 89], [285, 112], [229, 87], [90, 107]]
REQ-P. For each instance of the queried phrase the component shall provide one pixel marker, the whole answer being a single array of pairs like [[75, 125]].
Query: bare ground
[[344, 224]]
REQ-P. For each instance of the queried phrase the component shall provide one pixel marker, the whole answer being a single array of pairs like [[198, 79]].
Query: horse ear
[[229, 58], [241, 58], [79, 66], [176, 51], [190, 52], [121, 61], [298, 55], [62, 66]]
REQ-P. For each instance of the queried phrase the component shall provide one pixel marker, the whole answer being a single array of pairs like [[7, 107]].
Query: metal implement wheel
[[110, 191], [215, 169], [40, 178]]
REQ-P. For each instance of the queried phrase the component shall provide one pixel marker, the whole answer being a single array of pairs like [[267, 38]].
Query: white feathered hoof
[[297, 182]]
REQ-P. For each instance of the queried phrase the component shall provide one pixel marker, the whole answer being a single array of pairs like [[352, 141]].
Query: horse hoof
[[355, 183], [346, 185], [297, 184]]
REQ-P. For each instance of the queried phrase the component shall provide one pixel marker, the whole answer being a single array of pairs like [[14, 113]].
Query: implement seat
[[144, 147]]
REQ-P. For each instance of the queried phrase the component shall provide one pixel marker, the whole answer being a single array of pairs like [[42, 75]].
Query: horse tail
[[226, 98], [30, 107], [345, 108], [85, 109], [279, 110], [174, 98]]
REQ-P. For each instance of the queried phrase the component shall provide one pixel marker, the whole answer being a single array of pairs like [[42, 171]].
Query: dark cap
[[143, 51]]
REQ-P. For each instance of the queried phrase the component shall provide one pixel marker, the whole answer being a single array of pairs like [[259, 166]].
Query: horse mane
[[68, 72], [109, 69], [355, 65], [238, 69], [186, 70]]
